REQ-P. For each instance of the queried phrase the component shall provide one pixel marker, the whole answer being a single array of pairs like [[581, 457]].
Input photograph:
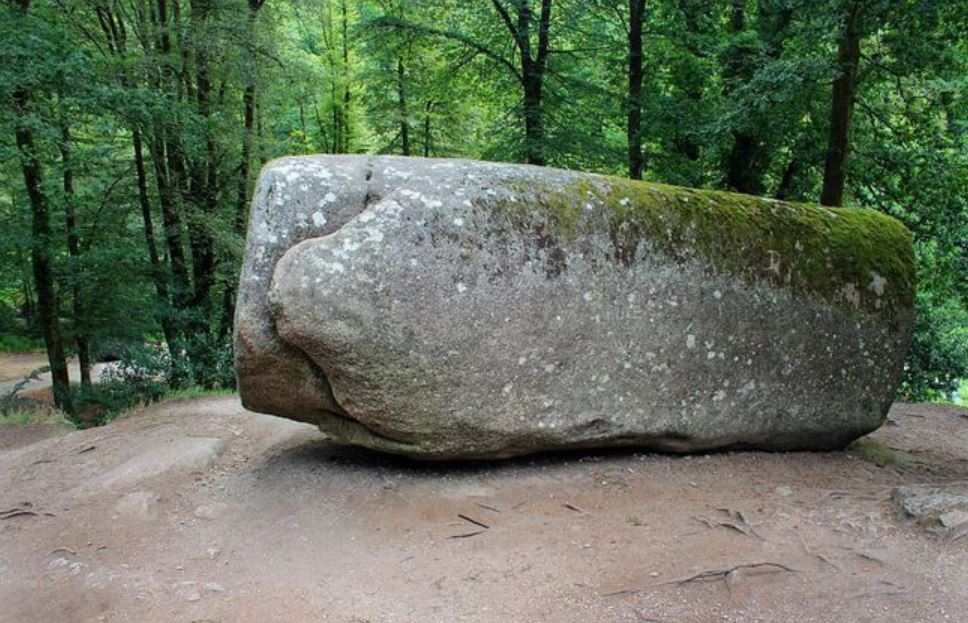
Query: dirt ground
[[15, 367], [200, 511]]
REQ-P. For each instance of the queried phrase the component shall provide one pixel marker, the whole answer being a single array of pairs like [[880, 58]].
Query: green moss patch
[[859, 259]]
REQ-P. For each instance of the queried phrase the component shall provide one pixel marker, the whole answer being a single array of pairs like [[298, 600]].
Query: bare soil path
[[15, 367], [201, 511]]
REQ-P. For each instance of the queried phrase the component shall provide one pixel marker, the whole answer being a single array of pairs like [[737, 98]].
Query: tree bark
[[636, 18], [428, 108], [242, 189], [158, 273], [533, 64], [402, 109], [74, 251], [41, 247], [346, 83], [203, 178], [686, 144], [166, 156], [841, 111]]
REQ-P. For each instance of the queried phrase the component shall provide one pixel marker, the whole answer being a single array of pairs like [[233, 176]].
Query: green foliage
[[148, 373], [19, 344], [939, 352]]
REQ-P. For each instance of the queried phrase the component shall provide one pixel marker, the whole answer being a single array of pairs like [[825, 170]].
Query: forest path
[[14, 367], [201, 511]]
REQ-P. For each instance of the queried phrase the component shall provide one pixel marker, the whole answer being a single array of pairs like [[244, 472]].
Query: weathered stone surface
[[938, 510], [459, 309]]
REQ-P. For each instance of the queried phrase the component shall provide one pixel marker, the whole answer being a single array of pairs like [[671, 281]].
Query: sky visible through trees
[[131, 132]]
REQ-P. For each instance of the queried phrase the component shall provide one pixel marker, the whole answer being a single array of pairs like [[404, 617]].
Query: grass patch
[[192, 393], [876, 452], [19, 344], [27, 417]]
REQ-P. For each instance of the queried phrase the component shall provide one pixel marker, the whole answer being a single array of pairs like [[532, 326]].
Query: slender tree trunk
[[786, 180], [203, 177], [402, 109], [636, 18], [41, 247], [428, 108], [166, 155], [841, 110], [345, 126], [303, 131], [321, 140], [533, 65], [74, 251], [741, 168], [158, 275], [260, 142], [687, 145], [242, 191]]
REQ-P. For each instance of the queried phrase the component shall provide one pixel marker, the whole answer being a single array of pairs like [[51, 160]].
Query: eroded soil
[[201, 511]]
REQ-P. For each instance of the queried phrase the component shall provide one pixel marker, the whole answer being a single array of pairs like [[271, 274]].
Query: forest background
[[131, 132]]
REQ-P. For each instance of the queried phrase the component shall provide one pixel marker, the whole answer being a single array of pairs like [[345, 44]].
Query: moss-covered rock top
[[859, 259]]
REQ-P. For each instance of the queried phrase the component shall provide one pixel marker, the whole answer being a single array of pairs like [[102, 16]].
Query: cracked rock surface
[[460, 309]]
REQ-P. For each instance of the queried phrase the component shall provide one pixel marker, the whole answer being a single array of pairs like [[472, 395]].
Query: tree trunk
[[158, 275], [533, 122], [741, 168], [402, 109], [74, 251], [166, 155], [686, 144], [428, 107], [636, 18], [242, 189], [41, 251], [786, 181], [345, 126], [532, 71], [203, 179], [841, 110]]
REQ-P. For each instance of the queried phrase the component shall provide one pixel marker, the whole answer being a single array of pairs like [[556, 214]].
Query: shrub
[[939, 351]]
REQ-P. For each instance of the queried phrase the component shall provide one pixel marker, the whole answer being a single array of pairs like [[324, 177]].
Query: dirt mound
[[201, 511]]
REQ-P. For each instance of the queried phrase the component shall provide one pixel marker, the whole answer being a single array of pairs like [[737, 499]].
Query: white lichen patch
[[850, 294], [319, 219], [877, 283], [690, 341]]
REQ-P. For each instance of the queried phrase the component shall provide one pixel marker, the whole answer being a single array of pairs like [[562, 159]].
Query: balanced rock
[[461, 309]]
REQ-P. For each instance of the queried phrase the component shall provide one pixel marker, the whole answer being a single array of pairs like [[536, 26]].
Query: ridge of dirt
[[201, 511]]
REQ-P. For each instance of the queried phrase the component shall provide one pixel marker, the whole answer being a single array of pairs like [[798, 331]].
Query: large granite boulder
[[460, 309]]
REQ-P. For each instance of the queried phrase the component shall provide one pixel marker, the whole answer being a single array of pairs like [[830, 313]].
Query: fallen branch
[[736, 521], [465, 535], [727, 575], [490, 508], [17, 512], [474, 521]]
